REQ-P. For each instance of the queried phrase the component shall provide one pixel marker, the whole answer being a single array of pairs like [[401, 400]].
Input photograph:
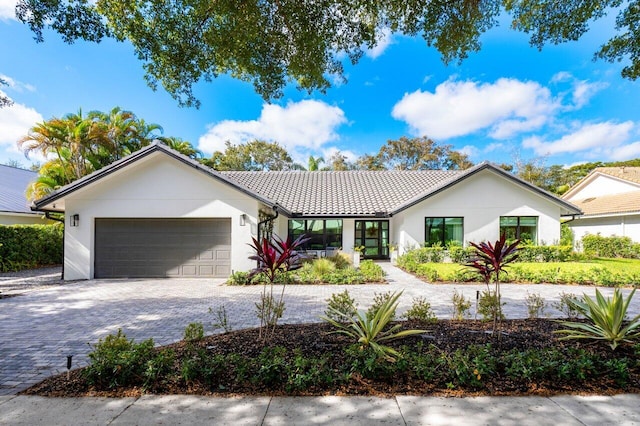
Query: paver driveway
[[40, 328]]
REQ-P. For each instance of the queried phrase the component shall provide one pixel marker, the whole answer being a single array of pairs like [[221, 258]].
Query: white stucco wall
[[156, 186], [622, 226], [480, 200], [603, 185]]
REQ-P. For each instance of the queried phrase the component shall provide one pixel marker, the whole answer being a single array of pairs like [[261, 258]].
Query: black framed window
[[519, 227], [323, 233], [443, 230]]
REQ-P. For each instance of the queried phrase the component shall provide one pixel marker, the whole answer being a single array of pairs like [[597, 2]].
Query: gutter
[[64, 232], [270, 219]]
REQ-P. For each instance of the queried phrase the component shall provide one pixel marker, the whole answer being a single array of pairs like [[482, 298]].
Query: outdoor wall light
[[75, 220], [243, 219]]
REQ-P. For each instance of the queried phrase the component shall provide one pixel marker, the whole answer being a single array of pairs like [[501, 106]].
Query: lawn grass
[[607, 272]]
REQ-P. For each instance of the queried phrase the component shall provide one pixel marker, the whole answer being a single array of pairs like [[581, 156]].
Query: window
[[322, 233], [443, 230], [519, 227]]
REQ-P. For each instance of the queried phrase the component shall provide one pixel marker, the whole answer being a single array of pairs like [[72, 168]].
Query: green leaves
[[371, 331], [273, 43], [606, 320]]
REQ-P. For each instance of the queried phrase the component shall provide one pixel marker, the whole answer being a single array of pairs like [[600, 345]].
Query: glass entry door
[[374, 236]]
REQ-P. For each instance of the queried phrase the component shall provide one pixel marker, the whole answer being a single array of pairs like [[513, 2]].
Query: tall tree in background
[[78, 144], [256, 155], [338, 162], [421, 154], [271, 43]]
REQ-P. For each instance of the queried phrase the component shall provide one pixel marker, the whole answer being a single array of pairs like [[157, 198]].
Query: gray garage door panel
[[135, 248]]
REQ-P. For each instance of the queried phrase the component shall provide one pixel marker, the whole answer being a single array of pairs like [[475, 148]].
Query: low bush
[[328, 270], [535, 305], [420, 310], [340, 306], [117, 361], [533, 253], [599, 246], [461, 306], [194, 332], [30, 246]]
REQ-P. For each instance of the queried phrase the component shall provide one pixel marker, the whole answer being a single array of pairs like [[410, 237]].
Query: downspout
[[269, 219], [48, 216]]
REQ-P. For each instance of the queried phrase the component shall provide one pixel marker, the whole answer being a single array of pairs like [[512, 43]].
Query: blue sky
[[508, 101]]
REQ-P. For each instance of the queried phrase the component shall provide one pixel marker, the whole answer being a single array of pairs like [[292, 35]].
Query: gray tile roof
[[13, 183], [349, 193]]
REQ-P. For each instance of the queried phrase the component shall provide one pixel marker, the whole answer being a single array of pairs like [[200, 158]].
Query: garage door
[[162, 248]]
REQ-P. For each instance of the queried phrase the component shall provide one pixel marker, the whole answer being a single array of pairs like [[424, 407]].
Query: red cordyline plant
[[491, 259], [274, 256]]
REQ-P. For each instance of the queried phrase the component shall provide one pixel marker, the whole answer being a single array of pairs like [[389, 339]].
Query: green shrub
[[371, 331], [566, 305], [490, 306], [371, 271], [239, 278], [117, 361], [606, 320], [340, 306], [379, 300], [221, 320], [535, 305], [599, 246], [322, 267], [461, 306], [534, 253], [420, 310], [194, 332], [341, 260], [29, 246]]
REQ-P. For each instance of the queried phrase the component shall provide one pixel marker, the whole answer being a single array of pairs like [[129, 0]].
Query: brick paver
[[39, 328]]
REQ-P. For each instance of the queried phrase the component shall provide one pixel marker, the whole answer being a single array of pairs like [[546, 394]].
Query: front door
[[374, 236]]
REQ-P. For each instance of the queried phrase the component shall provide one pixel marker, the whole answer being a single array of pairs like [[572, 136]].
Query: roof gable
[[605, 180], [47, 203]]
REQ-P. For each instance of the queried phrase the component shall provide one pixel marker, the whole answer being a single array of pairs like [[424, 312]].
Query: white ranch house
[[610, 200], [158, 213]]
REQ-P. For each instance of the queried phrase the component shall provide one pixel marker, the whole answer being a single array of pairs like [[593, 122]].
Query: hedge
[[599, 246], [29, 246]]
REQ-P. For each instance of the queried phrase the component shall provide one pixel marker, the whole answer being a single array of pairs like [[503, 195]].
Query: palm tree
[[314, 163], [182, 146]]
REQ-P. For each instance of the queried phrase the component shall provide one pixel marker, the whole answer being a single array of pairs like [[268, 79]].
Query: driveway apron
[[40, 328]]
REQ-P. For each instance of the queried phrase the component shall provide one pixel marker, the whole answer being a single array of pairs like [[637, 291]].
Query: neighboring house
[[14, 207], [159, 213], [609, 198]]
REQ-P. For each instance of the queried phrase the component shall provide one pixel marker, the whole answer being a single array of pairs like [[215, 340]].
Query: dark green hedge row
[[28, 246], [599, 246]]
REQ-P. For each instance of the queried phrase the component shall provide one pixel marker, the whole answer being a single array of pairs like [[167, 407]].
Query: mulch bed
[[314, 340]]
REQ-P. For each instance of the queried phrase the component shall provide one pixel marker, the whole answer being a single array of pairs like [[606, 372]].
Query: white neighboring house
[[14, 207], [158, 213], [609, 198]]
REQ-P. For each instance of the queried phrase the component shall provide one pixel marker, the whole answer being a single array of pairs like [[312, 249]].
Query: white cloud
[[584, 91], [16, 85], [458, 108], [7, 9], [306, 124], [626, 152], [469, 150], [384, 41], [328, 152], [493, 147], [15, 122], [598, 138]]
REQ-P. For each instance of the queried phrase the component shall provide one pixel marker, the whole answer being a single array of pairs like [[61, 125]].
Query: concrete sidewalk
[[325, 410]]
